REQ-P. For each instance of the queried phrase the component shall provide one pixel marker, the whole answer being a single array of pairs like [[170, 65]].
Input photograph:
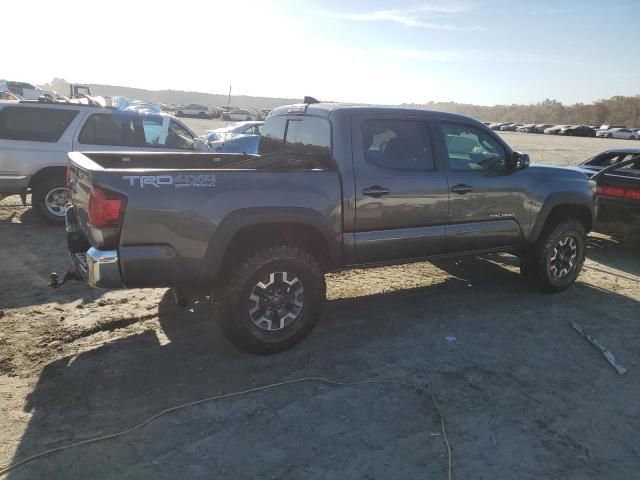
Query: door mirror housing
[[519, 161], [199, 145]]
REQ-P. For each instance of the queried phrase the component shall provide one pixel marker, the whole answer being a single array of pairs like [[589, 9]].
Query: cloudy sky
[[484, 52]]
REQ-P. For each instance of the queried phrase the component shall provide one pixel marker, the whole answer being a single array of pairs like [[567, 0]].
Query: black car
[[578, 131], [617, 172]]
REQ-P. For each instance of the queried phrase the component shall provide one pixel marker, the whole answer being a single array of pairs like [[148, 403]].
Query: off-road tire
[[38, 194], [535, 263], [232, 301]]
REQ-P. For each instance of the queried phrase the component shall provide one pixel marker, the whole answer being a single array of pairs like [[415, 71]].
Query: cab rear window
[[296, 142], [35, 124]]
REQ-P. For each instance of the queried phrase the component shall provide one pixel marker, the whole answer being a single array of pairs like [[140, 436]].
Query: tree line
[[617, 110]]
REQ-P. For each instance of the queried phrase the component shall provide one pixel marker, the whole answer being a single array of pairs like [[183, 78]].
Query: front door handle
[[375, 191], [461, 188]]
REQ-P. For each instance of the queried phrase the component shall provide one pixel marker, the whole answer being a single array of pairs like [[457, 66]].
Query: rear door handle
[[461, 188], [375, 191]]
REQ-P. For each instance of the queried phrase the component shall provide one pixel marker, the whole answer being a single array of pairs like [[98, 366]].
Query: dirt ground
[[523, 395]]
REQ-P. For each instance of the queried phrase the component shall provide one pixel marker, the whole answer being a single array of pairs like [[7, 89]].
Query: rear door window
[[35, 124], [397, 144], [108, 129]]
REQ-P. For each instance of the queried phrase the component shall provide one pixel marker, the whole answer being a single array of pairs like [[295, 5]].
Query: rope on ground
[[6, 469]]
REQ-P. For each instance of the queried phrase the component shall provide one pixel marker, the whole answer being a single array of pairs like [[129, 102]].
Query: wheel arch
[[249, 230], [44, 173], [559, 206]]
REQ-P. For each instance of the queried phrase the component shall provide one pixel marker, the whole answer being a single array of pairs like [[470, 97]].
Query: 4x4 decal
[[178, 181]]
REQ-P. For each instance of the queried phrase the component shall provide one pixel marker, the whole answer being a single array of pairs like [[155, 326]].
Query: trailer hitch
[[53, 278]]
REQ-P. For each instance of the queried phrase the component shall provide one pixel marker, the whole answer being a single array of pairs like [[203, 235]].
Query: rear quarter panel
[[188, 218]]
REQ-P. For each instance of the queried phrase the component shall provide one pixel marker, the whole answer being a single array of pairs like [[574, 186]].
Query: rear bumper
[[131, 266], [103, 269], [99, 268]]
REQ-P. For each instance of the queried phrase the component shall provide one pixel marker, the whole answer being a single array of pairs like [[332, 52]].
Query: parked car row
[[205, 111], [620, 132], [604, 131]]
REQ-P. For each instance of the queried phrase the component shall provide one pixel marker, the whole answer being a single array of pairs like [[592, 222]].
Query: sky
[[389, 52]]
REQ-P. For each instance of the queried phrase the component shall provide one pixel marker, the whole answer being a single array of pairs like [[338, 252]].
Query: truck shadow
[[388, 334], [619, 253]]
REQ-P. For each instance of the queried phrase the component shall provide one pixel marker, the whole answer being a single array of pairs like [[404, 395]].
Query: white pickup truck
[[26, 91], [36, 137]]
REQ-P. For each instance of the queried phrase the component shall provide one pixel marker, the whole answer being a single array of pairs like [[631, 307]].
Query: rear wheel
[[273, 300], [554, 263], [50, 199]]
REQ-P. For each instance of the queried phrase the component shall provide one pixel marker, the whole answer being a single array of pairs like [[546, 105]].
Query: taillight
[[105, 207], [611, 191], [619, 192]]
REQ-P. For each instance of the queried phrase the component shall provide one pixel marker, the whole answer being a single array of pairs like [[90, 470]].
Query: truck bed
[[182, 209]]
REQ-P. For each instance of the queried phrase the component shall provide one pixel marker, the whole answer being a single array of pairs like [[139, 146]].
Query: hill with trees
[[615, 110], [178, 97]]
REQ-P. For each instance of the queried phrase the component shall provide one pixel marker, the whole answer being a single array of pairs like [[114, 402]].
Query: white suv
[[239, 115], [193, 110], [36, 137]]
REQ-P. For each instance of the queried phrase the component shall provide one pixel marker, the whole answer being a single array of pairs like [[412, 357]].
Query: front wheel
[[50, 199], [273, 300], [553, 264]]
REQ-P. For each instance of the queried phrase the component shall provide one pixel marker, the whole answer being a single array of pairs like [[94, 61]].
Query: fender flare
[[246, 217], [570, 199]]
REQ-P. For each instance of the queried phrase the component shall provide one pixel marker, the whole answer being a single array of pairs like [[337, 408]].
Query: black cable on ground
[[6, 469]]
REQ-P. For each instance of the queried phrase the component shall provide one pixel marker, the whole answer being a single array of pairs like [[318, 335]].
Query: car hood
[[567, 172]]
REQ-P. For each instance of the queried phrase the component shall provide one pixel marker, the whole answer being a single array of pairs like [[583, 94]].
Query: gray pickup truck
[[332, 187]]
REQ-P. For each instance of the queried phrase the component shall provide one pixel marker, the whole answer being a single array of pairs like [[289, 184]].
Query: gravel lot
[[523, 395]]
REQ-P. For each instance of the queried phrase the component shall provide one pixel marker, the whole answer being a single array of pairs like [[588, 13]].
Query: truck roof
[[327, 109]]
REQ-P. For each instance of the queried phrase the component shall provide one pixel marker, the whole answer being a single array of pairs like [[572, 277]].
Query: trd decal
[[178, 181]]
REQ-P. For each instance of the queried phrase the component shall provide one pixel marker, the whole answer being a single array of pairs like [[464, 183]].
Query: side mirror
[[199, 145], [519, 161]]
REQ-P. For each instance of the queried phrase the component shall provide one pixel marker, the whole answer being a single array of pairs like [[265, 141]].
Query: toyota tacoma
[[332, 187]]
